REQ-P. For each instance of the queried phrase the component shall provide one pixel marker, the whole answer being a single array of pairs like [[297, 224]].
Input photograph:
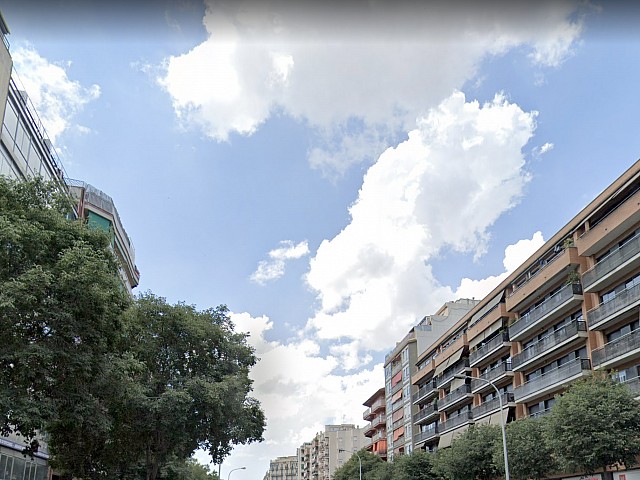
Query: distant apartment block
[[283, 468], [99, 211], [573, 307], [319, 458], [376, 429], [400, 365]]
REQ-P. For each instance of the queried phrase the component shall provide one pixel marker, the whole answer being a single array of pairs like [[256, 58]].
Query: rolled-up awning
[[445, 440], [448, 362]]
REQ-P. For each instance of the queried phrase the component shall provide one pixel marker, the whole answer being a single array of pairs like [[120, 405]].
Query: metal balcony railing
[[426, 434], [448, 375], [547, 343], [425, 391], [616, 348], [426, 412], [618, 303], [552, 377], [495, 373], [612, 261], [457, 421], [452, 398], [488, 348], [536, 314], [492, 405], [634, 385]]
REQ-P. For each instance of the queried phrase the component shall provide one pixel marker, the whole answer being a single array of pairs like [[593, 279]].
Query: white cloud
[[56, 97], [459, 170], [366, 65], [273, 268], [514, 256]]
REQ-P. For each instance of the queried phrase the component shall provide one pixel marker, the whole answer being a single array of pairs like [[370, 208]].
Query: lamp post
[[359, 459], [504, 431], [233, 470]]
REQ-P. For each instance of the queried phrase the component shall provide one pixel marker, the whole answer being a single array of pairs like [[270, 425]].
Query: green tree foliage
[[593, 425], [417, 466], [187, 470], [530, 457], [61, 305], [372, 466], [470, 456], [189, 385]]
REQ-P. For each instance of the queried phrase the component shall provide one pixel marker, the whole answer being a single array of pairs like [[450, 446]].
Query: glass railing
[[552, 377], [450, 373], [619, 302], [548, 342], [488, 347], [534, 315], [612, 261], [425, 391], [426, 434], [616, 348]]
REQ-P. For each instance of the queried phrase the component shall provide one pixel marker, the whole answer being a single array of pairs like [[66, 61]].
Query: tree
[[350, 470], [61, 305], [470, 456], [189, 385], [187, 470], [595, 424], [417, 466], [529, 455]]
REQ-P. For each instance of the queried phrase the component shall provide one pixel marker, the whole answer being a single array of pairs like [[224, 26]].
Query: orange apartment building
[[571, 308], [376, 429]]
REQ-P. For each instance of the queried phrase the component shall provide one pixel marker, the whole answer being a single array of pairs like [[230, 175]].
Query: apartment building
[[376, 429], [319, 458], [571, 308], [99, 211], [283, 468], [399, 367]]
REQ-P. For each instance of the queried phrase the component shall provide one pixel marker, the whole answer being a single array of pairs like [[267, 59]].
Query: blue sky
[[332, 174]]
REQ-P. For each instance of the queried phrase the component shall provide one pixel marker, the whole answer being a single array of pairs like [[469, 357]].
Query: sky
[[332, 172]]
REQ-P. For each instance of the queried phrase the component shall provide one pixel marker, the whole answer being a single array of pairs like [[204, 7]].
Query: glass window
[[10, 120]]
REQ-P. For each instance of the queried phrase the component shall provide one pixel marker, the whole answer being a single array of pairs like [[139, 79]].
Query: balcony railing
[[457, 421], [492, 375], [491, 405], [622, 301], [454, 397], [488, 348], [548, 343], [426, 412], [552, 378], [379, 420], [448, 375], [617, 348], [634, 385], [536, 314], [426, 434], [425, 391], [612, 261]]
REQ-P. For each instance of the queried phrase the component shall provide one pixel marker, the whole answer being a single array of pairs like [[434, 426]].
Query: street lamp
[[233, 470], [504, 431], [359, 459]]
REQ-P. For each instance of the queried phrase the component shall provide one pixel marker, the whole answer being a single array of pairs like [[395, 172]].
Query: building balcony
[[613, 267], [497, 375], [552, 381], [426, 435], [634, 386], [378, 421], [614, 225], [563, 301], [425, 393], [616, 351], [464, 418], [552, 272], [452, 400], [426, 415], [564, 337], [626, 300], [368, 415], [492, 348], [446, 377], [493, 406], [369, 430]]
